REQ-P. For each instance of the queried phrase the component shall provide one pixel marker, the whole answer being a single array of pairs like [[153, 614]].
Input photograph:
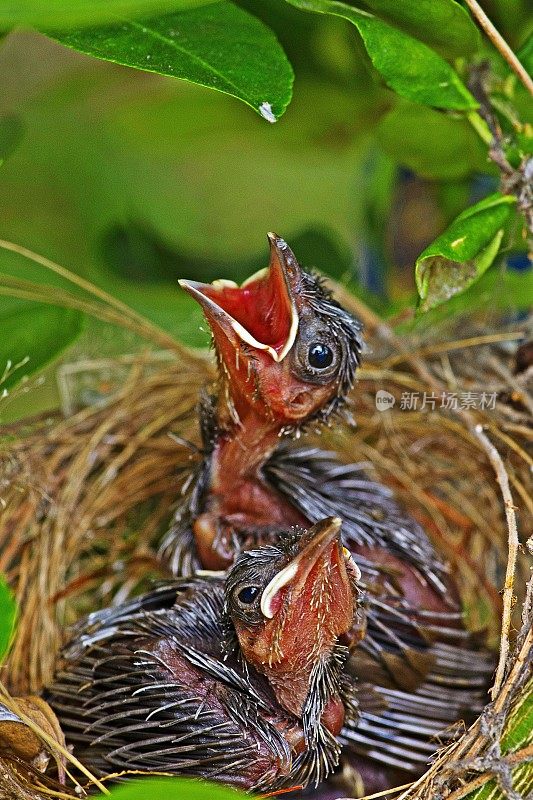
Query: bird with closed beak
[[237, 678]]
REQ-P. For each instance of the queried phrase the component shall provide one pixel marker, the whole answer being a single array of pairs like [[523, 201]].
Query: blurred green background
[[133, 180]]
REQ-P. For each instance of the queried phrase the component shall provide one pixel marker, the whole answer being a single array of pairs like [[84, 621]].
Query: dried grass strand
[[512, 544]]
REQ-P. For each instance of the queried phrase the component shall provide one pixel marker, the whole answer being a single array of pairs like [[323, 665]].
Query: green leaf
[[432, 144], [8, 614], [498, 289], [174, 789], [219, 46], [11, 130], [459, 256], [519, 728], [32, 336], [442, 24], [407, 65], [81, 12]]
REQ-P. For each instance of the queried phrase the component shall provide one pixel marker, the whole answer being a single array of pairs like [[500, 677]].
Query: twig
[[512, 760], [459, 344], [508, 376], [500, 44], [514, 181], [53, 793], [503, 480]]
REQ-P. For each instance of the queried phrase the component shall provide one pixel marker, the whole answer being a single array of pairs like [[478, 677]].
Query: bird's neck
[[237, 498], [303, 693], [291, 687], [246, 439]]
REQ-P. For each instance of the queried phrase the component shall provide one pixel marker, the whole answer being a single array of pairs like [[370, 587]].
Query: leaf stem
[[500, 44], [480, 127]]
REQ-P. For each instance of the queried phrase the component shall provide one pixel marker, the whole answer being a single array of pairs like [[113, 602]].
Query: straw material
[[85, 500]]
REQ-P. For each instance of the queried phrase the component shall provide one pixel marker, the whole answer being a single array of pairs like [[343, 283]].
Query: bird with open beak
[[237, 680], [287, 354]]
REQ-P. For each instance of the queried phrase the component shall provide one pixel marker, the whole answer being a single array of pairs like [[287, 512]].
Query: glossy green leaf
[[174, 789], [11, 130], [459, 256], [432, 144], [219, 46], [32, 336], [503, 290], [8, 613], [43, 13], [442, 24], [407, 65]]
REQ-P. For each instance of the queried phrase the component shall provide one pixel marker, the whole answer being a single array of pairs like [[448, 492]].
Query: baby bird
[[287, 354], [236, 679]]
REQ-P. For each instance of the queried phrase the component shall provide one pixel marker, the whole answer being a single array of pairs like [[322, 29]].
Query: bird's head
[[290, 603], [285, 347]]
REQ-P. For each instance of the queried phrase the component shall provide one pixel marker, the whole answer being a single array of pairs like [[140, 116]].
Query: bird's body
[[287, 355], [413, 649], [210, 677]]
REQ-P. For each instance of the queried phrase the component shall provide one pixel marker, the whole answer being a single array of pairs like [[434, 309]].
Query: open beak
[[261, 312], [320, 551]]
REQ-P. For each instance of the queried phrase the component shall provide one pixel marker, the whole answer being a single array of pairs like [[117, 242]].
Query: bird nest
[[85, 499]]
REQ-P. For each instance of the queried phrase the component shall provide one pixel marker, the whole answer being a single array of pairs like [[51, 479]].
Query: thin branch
[[514, 180], [459, 344], [500, 44], [503, 480], [512, 760]]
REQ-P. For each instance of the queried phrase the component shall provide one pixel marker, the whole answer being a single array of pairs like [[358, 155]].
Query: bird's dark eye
[[320, 355], [248, 595]]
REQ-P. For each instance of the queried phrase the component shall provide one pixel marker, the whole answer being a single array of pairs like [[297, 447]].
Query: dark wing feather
[[426, 685], [145, 687], [319, 485]]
